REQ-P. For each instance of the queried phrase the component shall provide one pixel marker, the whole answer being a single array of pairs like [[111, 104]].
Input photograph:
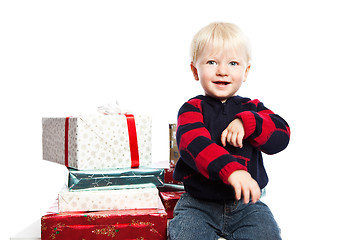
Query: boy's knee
[[258, 232], [259, 224]]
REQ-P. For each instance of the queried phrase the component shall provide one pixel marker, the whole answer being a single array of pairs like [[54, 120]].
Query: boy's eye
[[211, 62], [233, 63]]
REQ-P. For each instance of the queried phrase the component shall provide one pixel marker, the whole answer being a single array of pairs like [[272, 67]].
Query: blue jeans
[[199, 219]]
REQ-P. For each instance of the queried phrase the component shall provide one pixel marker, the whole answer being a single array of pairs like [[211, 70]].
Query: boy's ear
[[194, 71], [247, 71]]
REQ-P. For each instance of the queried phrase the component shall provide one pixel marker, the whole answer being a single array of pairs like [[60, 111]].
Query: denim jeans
[[199, 219]]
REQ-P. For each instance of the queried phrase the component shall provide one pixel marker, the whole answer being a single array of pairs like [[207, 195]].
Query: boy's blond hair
[[221, 36]]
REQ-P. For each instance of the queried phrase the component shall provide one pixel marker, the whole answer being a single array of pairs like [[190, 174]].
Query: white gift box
[[144, 197], [96, 142]]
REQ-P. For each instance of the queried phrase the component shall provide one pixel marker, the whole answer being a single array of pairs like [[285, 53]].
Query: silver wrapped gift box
[[113, 178]]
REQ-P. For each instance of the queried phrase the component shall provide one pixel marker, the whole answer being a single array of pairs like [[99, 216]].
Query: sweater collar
[[236, 99]]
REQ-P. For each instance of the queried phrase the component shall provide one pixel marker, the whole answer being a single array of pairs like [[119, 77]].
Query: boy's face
[[220, 73]]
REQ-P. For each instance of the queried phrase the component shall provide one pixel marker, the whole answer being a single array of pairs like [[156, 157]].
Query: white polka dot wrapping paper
[[95, 141], [141, 196]]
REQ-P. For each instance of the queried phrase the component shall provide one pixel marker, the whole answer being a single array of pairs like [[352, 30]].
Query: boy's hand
[[234, 133], [245, 186]]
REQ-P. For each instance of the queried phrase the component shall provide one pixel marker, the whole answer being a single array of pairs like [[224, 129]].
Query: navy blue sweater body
[[205, 165]]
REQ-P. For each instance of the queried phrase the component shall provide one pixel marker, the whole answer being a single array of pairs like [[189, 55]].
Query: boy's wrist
[[228, 169]]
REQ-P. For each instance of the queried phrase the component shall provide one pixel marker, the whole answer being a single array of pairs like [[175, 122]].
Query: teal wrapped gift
[[113, 178]]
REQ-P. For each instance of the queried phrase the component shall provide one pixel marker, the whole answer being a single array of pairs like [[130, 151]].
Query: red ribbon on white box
[[133, 142]]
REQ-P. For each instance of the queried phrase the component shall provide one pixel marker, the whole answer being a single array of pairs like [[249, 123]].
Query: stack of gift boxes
[[112, 190]]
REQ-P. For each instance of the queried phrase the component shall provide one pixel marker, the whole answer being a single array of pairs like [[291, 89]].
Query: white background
[[65, 58]]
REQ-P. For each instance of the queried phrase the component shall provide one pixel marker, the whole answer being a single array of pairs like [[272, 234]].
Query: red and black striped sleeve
[[265, 130], [198, 150]]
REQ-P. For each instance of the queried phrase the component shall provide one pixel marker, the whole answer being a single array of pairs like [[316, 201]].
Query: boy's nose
[[221, 70]]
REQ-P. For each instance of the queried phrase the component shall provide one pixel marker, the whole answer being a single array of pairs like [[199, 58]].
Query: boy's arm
[[264, 129], [198, 150]]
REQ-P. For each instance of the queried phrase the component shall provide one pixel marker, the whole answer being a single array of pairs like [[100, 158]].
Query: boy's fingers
[[228, 137], [223, 137], [255, 192], [232, 139], [255, 195], [246, 196], [238, 193], [237, 188], [239, 141]]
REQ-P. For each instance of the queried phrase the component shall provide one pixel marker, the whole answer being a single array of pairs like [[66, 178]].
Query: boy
[[220, 137]]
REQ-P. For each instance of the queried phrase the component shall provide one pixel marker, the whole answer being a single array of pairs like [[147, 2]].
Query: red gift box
[[169, 200], [117, 224]]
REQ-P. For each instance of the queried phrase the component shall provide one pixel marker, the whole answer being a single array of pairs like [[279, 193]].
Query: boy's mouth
[[221, 82]]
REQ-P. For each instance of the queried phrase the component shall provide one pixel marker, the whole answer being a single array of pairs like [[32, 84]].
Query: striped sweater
[[205, 165]]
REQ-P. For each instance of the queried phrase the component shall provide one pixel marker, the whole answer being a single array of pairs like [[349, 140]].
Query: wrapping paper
[[120, 224], [169, 200], [95, 142], [113, 178], [143, 197]]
